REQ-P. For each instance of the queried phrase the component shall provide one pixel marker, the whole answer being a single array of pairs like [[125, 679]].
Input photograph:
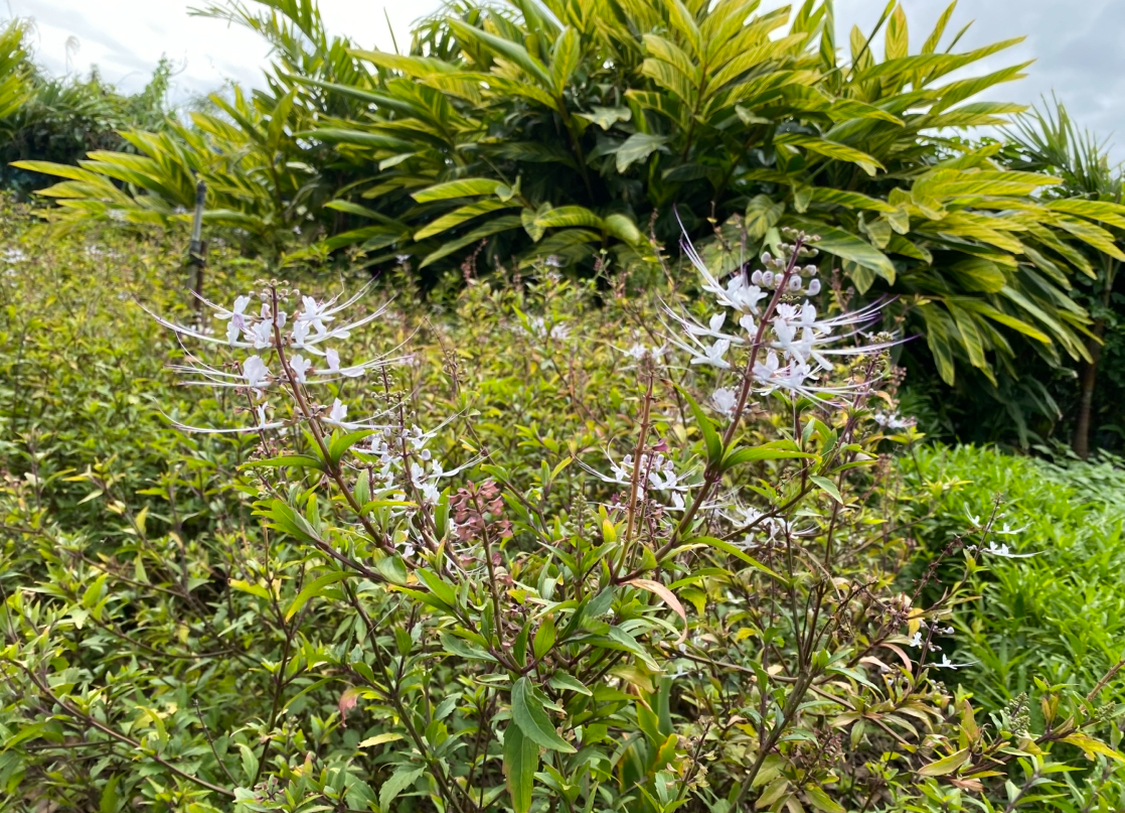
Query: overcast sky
[[1076, 45]]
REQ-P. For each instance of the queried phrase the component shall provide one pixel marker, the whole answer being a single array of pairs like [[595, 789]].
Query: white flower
[[945, 664], [261, 335], [713, 355], [916, 641], [300, 366], [255, 372], [338, 412], [560, 331], [891, 420], [1005, 552], [299, 333], [314, 314], [639, 350], [332, 358], [237, 317], [725, 401]]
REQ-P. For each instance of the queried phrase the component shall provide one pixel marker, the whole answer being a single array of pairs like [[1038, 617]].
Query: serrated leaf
[[528, 714], [400, 780]]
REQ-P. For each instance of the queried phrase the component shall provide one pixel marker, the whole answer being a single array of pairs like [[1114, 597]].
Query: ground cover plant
[[516, 547]]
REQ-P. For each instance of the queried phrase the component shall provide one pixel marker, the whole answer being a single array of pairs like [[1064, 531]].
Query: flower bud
[[814, 287]]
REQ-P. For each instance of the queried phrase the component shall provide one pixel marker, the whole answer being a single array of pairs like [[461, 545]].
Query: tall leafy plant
[[592, 130], [1047, 140]]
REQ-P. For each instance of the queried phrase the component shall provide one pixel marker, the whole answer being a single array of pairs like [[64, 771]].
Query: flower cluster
[[278, 345], [791, 344], [657, 479]]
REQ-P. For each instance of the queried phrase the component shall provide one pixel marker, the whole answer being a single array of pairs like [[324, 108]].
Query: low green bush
[[557, 569], [1058, 615]]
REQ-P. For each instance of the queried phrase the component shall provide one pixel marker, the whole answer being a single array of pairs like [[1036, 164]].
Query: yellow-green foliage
[[209, 623]]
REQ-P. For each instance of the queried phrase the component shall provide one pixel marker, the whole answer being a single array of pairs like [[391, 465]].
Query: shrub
[[572, 586]]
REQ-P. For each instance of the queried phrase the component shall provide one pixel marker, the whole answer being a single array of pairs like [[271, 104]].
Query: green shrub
[[294, 620], [1059, 616]]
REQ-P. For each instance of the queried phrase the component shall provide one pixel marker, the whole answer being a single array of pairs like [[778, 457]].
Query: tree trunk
[[1088, 379]]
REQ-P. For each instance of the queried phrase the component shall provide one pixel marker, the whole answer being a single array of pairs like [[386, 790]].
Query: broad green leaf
[[461, 215], [403, 777], [521, 761], [528, 714], [568, 216], [637, 147], [565, 59], [623, 228], [606, 117], [849, 247], [467, 187], [831, 149], [510, 51], [762, 214]]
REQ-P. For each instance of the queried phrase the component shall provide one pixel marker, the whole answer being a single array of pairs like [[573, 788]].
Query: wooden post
[[197, 251]]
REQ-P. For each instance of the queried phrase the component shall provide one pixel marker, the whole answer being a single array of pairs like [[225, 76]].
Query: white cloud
[[126, 38]]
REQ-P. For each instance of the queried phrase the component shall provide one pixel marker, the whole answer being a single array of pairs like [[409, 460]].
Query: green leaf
[[561, 681], [606, 117], [460, 215], [467, 187], [300, 461], [510, 51], [565, 59], [566, 217], [947, 765], [246, 587], [732, 550], [249, 763], [1091, 747], [849, 247], [711, 440], [831, 149], [821, 801], [762, 214], [316, 588], [774, 450], [400, 780], [528, 714], [623, 228], [341, 443], [637, 147], [544, 638], [828, 487], [521, 761]]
